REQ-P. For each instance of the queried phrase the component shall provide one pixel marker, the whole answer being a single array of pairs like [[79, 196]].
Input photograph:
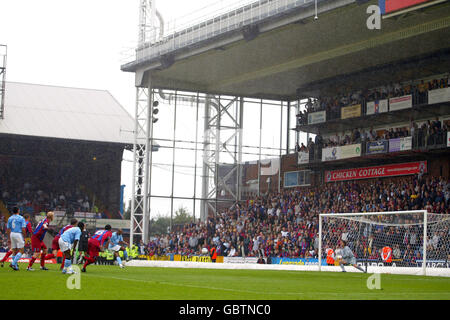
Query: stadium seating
[[333, 105], [35, 199], [286, 224]]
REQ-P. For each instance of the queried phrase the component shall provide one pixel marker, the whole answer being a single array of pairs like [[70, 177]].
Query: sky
[[78, 43], [83, 43]]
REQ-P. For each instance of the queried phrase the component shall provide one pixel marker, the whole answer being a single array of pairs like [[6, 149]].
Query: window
[[297, 178]]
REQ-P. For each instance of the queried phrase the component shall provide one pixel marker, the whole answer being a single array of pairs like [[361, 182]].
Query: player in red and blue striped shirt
[[96, 244], [38, 246]]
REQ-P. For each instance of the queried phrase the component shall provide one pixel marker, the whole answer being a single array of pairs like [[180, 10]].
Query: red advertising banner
[[27, 260], [388, 6], [400, 169]]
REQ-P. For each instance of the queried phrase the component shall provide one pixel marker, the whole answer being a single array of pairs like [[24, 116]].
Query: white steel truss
[[223, 127], [3, 53], [143, 144]]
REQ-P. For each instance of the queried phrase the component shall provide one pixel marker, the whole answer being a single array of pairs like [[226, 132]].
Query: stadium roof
[[292, 55], [65, 113]]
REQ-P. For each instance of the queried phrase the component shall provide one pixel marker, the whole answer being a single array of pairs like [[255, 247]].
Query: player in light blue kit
[[67, 243], [117, 244], [16, 228]]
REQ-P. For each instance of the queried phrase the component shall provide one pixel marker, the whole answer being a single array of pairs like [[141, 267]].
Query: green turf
[[137, 283]]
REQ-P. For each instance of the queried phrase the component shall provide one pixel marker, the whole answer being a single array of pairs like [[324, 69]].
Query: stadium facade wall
[[437, 166]]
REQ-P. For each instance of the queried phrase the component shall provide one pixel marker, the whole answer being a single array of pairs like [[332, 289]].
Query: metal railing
[[192, 29], [420, 141], [335, 112]]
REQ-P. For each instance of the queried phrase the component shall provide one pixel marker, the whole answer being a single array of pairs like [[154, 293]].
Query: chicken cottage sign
[[399, 169]]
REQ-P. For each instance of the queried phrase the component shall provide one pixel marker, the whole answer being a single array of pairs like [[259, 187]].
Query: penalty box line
[[193, 286], [245, 291]]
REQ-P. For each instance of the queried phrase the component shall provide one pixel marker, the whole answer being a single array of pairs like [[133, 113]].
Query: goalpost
[[405, 239]]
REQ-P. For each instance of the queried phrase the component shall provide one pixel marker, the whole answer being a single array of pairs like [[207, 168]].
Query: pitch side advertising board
[[298, 261], [251, 260], [434, 263], [27, 260], [399, 169]]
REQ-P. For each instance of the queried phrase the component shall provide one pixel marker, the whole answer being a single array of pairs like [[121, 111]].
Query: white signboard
[[405, 143], [330, 154], [378, 106], [317, 117], [350, 151], [344, 152], [76, 214], [240, 260], [303, 157], [439, 95], [400, 103]]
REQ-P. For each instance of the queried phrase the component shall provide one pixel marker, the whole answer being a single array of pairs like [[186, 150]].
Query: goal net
[[412, 239]]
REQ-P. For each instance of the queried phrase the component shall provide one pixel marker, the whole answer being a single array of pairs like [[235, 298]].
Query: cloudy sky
[[80, 43]]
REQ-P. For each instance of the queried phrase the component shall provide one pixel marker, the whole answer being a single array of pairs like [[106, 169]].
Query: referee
[[83, 244]]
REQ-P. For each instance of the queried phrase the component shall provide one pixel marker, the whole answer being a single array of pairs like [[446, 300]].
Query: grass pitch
[[140, 283]]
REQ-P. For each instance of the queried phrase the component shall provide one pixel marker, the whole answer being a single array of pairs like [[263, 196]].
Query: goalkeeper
[[344, 255]]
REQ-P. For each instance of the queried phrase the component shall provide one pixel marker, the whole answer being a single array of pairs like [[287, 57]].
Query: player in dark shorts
[[83, 244]]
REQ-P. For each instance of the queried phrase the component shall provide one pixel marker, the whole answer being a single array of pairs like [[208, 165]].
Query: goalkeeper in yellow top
[[344, 255]]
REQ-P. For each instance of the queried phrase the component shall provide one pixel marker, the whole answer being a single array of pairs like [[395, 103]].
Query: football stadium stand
[[363, 124], [61, 149]]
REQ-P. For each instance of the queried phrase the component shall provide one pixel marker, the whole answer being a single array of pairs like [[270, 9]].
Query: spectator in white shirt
[[232, 252]]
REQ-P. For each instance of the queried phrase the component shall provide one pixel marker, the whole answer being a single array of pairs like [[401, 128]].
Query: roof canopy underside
[[305, 57]]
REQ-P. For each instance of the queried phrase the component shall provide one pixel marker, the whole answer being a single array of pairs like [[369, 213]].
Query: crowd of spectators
[[428, 134], [334, 104], [286, 224], [361, 136], [3, 237]]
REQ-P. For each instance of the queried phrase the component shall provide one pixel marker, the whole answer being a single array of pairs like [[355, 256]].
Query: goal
[[398, 239]]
